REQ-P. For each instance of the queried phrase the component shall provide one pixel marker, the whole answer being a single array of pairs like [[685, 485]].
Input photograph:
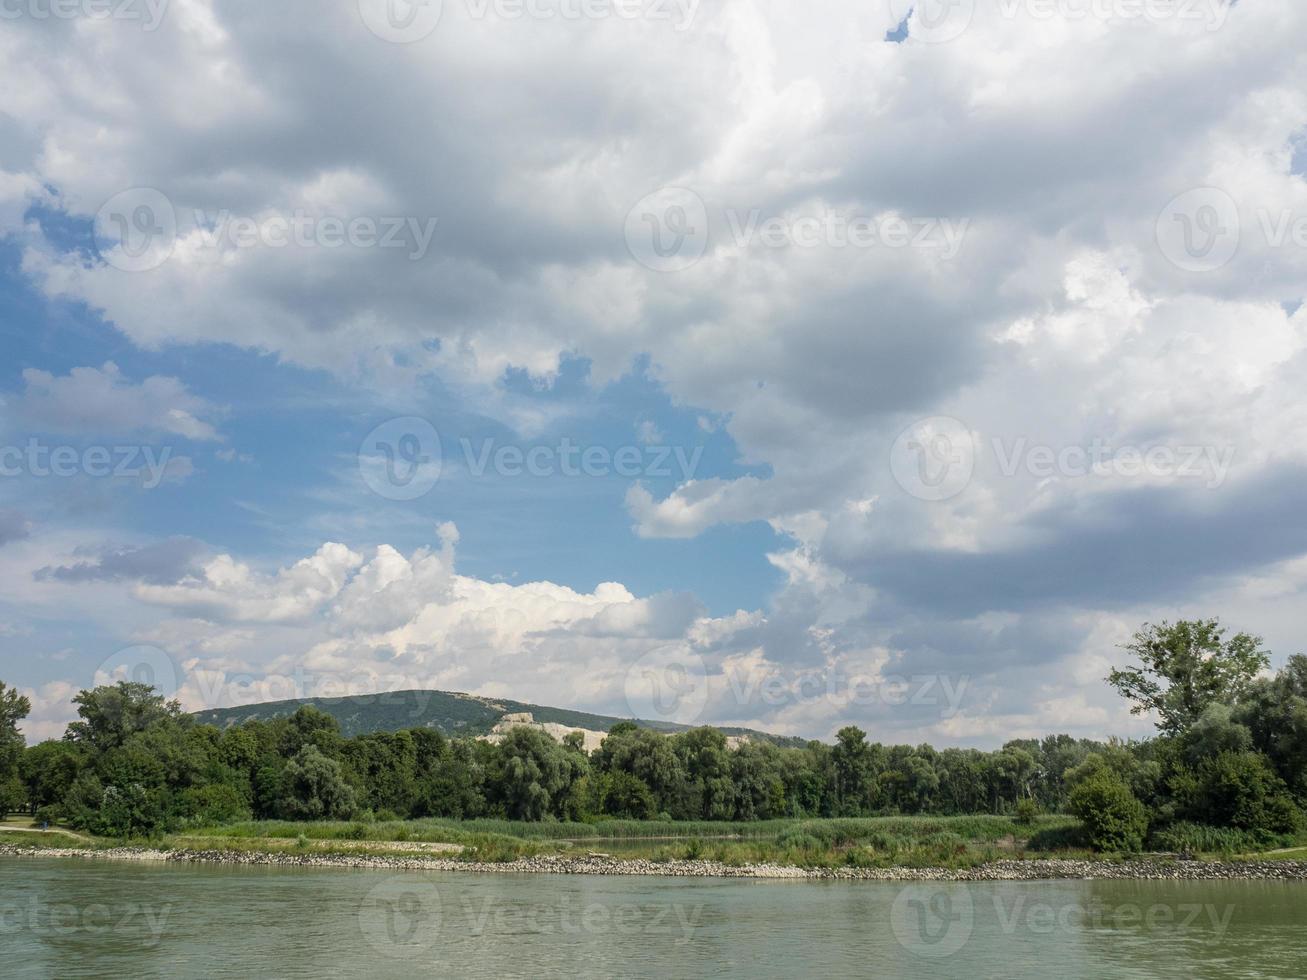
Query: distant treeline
[[1230, 759]]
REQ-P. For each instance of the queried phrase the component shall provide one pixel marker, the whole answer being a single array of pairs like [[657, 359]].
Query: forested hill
[[449, 713]]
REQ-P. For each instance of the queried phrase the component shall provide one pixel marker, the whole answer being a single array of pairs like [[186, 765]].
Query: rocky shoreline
[[602, 865]]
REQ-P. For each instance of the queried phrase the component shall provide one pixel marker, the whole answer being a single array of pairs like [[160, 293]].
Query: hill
[[447, 712]]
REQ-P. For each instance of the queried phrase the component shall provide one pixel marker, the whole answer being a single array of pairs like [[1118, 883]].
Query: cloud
[[339, 622], [13, 527], [51, 711], [1034, 303], [226, 590], [162, 563], [18, 192], [100, 400]]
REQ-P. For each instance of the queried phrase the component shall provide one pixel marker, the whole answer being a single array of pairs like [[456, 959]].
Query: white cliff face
[[555, 731]]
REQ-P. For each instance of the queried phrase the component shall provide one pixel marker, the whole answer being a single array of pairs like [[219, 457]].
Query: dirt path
[[37, 830], [1283, 850]]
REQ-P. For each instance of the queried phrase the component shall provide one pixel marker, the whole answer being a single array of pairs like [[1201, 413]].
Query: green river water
[[90, 919]]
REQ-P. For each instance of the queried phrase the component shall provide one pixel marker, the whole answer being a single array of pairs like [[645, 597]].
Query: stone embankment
[[996, 871]]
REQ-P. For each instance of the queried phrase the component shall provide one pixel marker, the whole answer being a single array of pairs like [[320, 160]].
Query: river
[[70, 918]]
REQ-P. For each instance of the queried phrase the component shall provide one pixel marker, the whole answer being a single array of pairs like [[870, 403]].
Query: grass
[[1201, 839], [45, 841], [863, 841], [1286, 854], [934, 842], [846, 830]]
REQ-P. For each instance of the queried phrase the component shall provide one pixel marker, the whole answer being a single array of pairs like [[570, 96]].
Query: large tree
[[1276, 713], [110, 715], [537, 775], [1185, 668], [313, 788], [854, 771], [13, 709]]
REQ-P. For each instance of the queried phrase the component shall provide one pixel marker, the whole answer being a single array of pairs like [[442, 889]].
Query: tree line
[[1231, 754]]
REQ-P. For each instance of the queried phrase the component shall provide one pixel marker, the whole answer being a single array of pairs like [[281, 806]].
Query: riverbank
[[1010, 870]]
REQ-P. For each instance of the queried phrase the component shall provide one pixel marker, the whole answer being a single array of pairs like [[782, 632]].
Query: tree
[[311, 726], [1185, 668], [13, 709], [313, 788], [537, 774], [109, 715], [619, 794], [649, 757], [384, 764], [213, 804], [48, 771], [1237, 789], [1215, 732], [709, 790], [759, 789], [920, 784], [454, 782], [1275, 711], [1114, 818], [130, 811], [806, 775], [1130, 762], [853, 774]]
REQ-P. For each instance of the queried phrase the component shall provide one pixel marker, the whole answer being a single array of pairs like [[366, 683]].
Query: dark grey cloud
[[965, 646], [162, 563], [1119, 549], [13, 527], [667, 615], [102, 400]]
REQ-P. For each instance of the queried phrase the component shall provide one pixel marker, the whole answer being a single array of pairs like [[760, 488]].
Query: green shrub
[[1058, 837], [214, 804], [1241, 790], [797, 840], [48, 814], [313, 788], [130, 811], [1114, 819], [1027, 812], [13, 795]]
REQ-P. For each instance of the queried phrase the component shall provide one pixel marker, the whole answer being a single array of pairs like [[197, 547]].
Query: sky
[[748, 362]]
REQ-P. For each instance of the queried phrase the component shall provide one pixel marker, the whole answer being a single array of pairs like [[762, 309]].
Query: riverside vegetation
[[1226, 773]]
